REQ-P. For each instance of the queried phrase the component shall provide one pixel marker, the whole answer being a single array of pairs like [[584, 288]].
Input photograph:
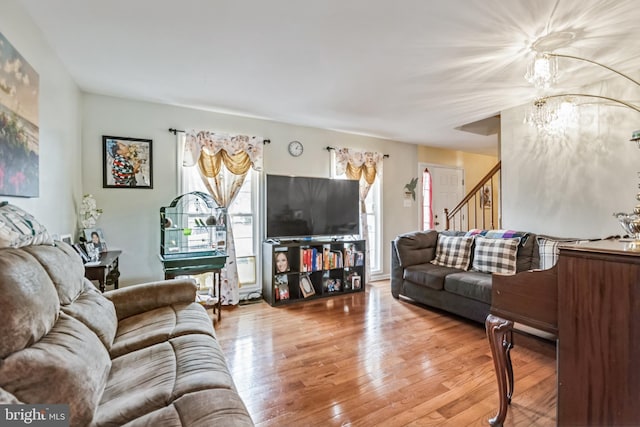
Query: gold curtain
[[210, 164], [367, 169]]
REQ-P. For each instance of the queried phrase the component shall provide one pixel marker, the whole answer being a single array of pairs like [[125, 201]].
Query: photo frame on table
[[127, 162], [80, 250], [94, 237], [67, 239], [306, 286]]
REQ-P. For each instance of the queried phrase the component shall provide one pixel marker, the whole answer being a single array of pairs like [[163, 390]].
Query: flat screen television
[[304, 207]]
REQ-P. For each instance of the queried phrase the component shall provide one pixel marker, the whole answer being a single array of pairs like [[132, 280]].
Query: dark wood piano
[[529, 298], [591, 302]]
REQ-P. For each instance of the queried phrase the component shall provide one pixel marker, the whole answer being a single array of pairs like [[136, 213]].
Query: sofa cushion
[[68, 365], [218, 407], [453, 251], [416, 248], [160, 324], [29, 303], [19, 228], [428, 275], [470, 284], [96, 312], [149, 379], [64, 267], [495, 255]]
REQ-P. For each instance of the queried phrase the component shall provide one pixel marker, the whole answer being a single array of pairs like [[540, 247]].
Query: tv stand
[[313, 268]]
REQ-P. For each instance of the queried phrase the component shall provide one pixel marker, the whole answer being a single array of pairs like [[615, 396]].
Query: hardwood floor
[[367, 359]]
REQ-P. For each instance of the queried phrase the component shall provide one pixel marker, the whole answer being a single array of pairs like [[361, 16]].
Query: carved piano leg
[[498, 333], [508, 344]]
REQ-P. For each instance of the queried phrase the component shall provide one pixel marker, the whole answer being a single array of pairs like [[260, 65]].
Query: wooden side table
[[105, 272]]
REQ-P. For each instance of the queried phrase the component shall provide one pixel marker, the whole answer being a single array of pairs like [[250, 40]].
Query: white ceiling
[[406, 70]]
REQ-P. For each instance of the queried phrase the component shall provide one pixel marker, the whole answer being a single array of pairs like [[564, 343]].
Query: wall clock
[[296, 148]]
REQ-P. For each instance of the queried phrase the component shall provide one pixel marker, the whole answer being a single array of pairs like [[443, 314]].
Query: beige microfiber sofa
[[140, 355]]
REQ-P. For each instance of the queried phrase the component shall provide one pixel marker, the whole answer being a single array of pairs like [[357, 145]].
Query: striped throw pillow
[[495, 255], [453, 251]]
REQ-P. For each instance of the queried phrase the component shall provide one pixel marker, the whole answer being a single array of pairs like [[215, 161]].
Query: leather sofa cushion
[[206, 408], [428, 275], [161, 324], [29, 304], [96, 312], [149, 379], [470, 284], [68, 365]]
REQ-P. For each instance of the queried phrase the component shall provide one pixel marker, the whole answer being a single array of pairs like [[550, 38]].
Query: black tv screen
[[305, 207]]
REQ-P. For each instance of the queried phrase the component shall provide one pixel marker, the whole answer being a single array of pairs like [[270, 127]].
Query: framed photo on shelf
[[281, 261], [355, 282], [306, 286], [94, 237], [127, 162], [281, 289]]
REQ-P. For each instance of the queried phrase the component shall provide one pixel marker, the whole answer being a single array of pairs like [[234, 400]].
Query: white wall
[[59, 122], [131, 216], [571, 185]]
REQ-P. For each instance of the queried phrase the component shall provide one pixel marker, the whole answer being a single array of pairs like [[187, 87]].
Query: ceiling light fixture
[[542, 72]]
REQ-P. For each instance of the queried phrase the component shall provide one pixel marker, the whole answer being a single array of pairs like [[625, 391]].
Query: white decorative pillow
[[549, 251], [18, 228], [495, 255], [453, 251]]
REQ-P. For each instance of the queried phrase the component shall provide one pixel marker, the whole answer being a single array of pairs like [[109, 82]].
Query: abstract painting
[[19, 144]]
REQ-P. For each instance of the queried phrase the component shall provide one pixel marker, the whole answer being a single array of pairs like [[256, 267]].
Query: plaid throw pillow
[[453, 251], [549, 251], [495, 255]]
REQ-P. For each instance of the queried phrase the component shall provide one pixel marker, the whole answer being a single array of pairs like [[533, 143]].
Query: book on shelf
[[349, 255], [310, 260]]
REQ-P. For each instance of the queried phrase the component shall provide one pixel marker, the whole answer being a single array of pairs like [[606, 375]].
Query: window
[[427, 211], [373, 202], [374, 223], [244, 224]]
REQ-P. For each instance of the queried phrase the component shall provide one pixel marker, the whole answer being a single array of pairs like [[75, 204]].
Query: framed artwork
[[306, 286], [127, 162], [355, 282], [67, 239], [485, 197], [19, 140], [80, 250], [95, 238], [281, 261]]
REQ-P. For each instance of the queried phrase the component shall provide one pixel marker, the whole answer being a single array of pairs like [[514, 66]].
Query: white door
[[447, 192]]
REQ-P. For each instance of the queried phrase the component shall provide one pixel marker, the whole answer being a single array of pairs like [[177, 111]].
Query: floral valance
[[356, 164], [210, 150]]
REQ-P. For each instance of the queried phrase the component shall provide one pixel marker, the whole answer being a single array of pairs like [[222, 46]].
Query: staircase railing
[[480, 207]]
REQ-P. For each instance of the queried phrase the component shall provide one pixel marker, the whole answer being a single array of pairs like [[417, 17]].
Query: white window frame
[[376, 193], [247, 290]]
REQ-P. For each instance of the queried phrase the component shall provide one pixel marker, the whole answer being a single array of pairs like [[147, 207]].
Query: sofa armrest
[[137, 299], [415, 248]]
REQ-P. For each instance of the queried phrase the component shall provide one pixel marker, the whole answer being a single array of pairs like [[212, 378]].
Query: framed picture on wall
[[127, 162]]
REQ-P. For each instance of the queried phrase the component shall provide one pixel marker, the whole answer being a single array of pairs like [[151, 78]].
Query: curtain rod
[[329, 148], [176, 131]]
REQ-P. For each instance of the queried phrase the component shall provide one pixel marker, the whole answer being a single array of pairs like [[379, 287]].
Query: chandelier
[[546, 114]]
